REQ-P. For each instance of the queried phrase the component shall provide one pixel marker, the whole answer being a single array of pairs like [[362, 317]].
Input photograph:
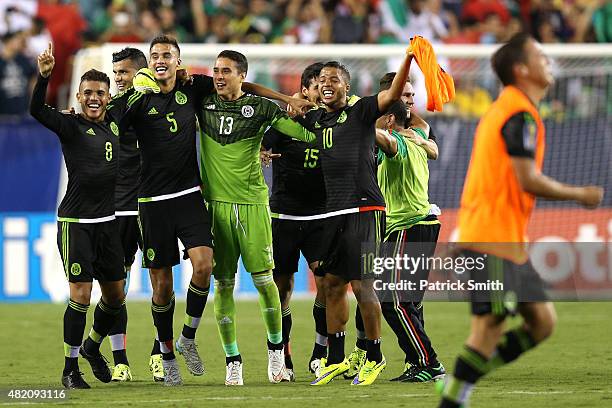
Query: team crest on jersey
[[114, 128], [75, 269], [247, 111], [342, 117], [150, 254], [180, 98]]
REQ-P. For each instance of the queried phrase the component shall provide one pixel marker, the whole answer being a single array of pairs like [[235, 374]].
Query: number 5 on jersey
[[174, 125]]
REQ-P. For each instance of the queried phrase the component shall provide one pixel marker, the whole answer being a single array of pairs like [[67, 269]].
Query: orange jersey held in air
[[494, 207]]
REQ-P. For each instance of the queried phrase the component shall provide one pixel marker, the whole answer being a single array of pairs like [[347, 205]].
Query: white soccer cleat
[[276, 366], [233, 373], [188, 349], [315, 367], [172, 375]]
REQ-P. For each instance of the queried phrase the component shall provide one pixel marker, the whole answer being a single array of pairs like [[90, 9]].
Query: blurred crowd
[[26, 26]]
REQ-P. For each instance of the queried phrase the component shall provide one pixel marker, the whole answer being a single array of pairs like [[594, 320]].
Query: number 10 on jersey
[[327, 138]]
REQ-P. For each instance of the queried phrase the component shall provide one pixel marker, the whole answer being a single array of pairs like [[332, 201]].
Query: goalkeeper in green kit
[[232, 127]]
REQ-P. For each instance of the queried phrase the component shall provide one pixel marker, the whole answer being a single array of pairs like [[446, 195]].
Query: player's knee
[[80, 292], [201, 273], [544, 326]]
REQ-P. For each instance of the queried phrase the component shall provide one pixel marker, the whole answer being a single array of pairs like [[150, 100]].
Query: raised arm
[[386, 98], [46, 115], [297, 104]]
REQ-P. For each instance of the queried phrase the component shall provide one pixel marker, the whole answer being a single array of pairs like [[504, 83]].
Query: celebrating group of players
[[134, 180]]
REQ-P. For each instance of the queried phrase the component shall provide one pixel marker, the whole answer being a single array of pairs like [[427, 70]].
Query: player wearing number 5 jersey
[[232, 128]]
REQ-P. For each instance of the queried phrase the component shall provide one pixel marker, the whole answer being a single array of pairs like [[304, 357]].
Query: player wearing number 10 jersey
[[233, 124]]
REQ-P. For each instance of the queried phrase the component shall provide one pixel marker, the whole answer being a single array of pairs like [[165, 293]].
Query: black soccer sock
[[196, 301], [233, 358], [469, 368], [361, 336], [373, 350], [155, 349], [513, 343], [336, 347], [104, 319], [163, 318], [320, 345], [75, 317], [117, 337], [287, 323]]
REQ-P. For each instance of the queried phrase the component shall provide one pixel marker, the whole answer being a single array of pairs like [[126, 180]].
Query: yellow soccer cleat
[[356, 359], [156, 367], [369, 372], [328, 373], [121, 373]]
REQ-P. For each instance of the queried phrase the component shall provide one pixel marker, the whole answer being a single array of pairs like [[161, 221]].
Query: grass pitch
[[573, 369]]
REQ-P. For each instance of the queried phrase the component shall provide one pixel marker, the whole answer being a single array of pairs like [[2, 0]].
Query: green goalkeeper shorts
[[241, 230]]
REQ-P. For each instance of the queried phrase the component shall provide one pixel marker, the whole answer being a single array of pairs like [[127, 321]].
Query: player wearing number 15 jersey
[[232, 128]]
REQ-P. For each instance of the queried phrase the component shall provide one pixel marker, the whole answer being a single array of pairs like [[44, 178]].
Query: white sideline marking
[[518, 392]]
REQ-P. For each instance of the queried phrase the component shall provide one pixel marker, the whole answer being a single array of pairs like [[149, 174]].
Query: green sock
[[225, 314], [270, 305]]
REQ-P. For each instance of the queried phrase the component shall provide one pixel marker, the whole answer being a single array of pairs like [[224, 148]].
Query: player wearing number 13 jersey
[[232, 128]]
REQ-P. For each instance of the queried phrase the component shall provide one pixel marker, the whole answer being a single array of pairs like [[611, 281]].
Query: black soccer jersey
[[126, 190], [90, 152], [346, 140], [166, 128], [298, 187]]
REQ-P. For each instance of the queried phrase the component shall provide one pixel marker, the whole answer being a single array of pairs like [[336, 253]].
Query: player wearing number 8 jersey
[[232, 128]]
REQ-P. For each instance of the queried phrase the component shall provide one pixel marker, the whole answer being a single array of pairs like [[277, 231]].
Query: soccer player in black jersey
[[346, 139], [298, 197], [88, 234], [125, 65]]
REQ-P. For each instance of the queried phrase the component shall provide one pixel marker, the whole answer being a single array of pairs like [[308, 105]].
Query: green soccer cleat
[[156, 367], [356, 359], [122, 373], [328, 373], [427, 373], [369, 372]]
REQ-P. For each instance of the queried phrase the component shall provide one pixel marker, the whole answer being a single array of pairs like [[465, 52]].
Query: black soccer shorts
[[355, 242], [131, 239], [91, 251], [289, 237], [164, 222], [521, 283]]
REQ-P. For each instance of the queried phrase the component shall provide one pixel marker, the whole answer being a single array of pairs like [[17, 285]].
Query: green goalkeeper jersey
[[230, 138], [404, 180]]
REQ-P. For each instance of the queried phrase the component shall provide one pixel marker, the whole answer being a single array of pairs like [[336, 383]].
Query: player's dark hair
[[165, 39], [339, 66], [311, 72], [398, 109], [95, 75], [510, 54], [241, 61], [386, 81], [133, 54]]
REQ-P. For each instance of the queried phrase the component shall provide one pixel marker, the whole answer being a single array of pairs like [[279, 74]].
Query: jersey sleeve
[[367, 109], [49, 117], [293, 129], [310, 119], [519, 133], [271, 138], [402, 150], [203, 85]]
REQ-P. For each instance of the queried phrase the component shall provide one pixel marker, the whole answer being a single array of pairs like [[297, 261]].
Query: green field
[[573, 369]]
